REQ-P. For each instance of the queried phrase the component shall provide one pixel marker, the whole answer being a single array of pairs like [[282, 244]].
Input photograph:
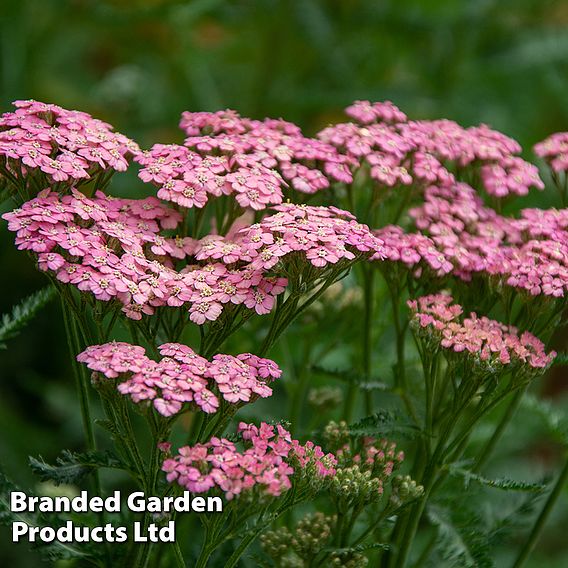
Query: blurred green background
[[139, 63]]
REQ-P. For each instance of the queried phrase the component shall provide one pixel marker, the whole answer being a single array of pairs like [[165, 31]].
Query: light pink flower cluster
[[182, 377], [190, 179], [113, 249], [65, 145], [366, 112], [486, 339], [554, 150], [402, 152], [268, 463], [307, 164], [323, 235], [529, 253]]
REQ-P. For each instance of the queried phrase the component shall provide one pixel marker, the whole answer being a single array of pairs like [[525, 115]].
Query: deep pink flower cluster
[[414, 250], [486, 339], [190, 179], [65, 145], [181, 376], [554, 150], [529, 253], [402, 152], [270, 458], [307, 164]]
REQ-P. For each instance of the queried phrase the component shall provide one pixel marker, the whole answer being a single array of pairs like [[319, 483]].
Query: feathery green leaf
[[12, 324]]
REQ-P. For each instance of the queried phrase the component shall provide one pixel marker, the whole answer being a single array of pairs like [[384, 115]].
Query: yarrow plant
[[408, 307]]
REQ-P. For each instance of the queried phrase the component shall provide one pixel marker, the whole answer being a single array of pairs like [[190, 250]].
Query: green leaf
[[555, 421], [460, 541], [351, 376], [501, 483], [561, 359], [49, 551], [72, 468], [362, 547], [385, 423], [12, 324]]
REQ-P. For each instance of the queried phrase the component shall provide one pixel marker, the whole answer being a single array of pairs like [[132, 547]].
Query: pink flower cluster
[[65, 145], [113, 249], [366, 112], [529, 253], [269, 460], [486, 339], [414, 250], [307, 164], [554, 150], [323, 235], [190, 179], [402, 152], [181, 376]]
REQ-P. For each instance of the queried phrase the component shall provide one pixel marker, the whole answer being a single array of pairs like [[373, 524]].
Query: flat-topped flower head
[[65, 145], [114, 249], [181, 380], [528, 253], [396, 151], [265, 461], [323, 236], [487, 341], [308, 165], [191, 179], [554, 150], [367, 112]]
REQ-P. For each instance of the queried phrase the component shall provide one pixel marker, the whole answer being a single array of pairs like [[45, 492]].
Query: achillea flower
[[189, 179], [554, 150], [529, 253], [486, 340], [67, 146], [323, 235], [268, 463], [181, 377], [402, 152], [412, 250], [367, 113], [307, 164], [113, 249]]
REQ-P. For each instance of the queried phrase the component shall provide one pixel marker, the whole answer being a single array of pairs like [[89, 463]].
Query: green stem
[[368, 289], [503, 423], [74, 343], [542, 518], [180, 562]]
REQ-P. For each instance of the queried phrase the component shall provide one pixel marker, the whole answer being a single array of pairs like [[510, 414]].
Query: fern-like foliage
[[71, 468], [351, 376], [461, 541], [12, 324], [385, 423], [555, 421], [49, 551], [502, 483]]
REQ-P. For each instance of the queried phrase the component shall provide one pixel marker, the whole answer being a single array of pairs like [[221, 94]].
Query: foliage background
[[139, 63]]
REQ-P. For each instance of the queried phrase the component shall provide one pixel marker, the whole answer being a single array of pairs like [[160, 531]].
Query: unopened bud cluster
[[404, 489], [348, 560], [311, 535]]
